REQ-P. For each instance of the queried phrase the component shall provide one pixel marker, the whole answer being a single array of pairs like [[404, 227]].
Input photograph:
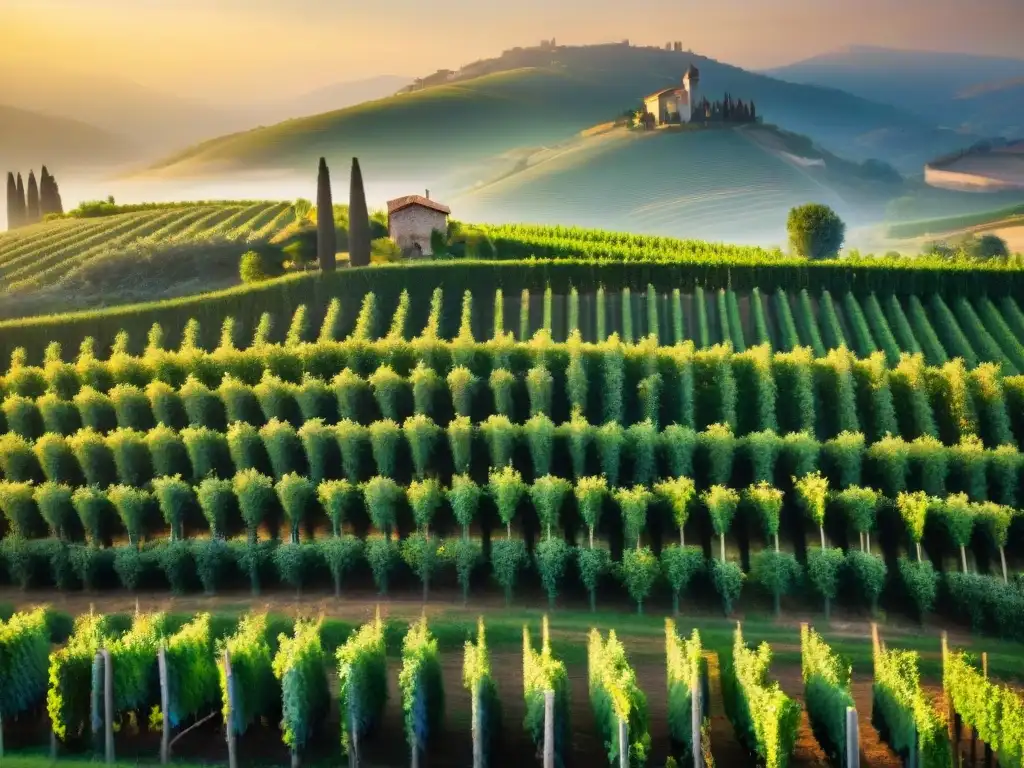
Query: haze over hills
[[978, 94], [30, 139], [531, 97], [155, 121]]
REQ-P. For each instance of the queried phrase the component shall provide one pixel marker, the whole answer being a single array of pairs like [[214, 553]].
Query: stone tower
[[691, 83]]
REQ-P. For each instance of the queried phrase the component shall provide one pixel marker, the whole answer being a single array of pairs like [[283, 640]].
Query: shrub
[[765, 719], [421, 687], [867, 574], [721, 503], [134, 507], [777, 573], [296, 495], [255, 691], [823, 566], [57, 459], [728, 581], [593, 564], [921, 583], [543, 672], [679, 565], [383, 556], [615, 697], [460, 443], [305, 698], [508, 556], [256, 498], [638, 571], [363, 683], [902, 714], [540, 438], [17, 460], [826, 691]]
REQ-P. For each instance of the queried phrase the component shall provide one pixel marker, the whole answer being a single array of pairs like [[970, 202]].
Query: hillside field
[[432, 137], [695, 184]]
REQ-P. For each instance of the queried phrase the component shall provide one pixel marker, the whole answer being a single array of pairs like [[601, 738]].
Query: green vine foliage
[[464, 555], [423, 556], [133, 659], [191, 671], [866, 573], [902, 713], [994, 711], [383, 556], [508, 557], [421, 686], [24, 660], [593, 563], [639, 571], [823, 569], [255, 691], [341, 554], [336, 497], [552, 556], [486, 704], [728, 579], [777, 573], [685, 662], [543, 672], [826, 692], [680, 564], [464, 499], [70, 677], [305, 698], [362, 681], [765, 719], [921, 583], [614, 697], [507, 488]]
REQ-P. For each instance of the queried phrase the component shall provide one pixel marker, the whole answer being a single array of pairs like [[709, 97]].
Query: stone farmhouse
[[412, 219], [675, 105]]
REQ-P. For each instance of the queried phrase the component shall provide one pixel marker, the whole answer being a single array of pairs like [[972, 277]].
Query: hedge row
[[827, 694], [315, 290]]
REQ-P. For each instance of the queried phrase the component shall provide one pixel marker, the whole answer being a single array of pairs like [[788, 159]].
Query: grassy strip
[[952, 223]]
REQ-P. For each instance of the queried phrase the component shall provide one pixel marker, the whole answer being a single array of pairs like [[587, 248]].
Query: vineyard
[[565, 466], [142, 683], [68, 250]]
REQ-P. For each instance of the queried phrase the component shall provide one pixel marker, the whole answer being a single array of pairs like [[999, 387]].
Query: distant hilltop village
[[678, 105]]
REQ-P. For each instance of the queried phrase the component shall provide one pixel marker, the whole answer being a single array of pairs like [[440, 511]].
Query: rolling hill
[[28, 139], [978, 94], [441, 134], [717, 184]]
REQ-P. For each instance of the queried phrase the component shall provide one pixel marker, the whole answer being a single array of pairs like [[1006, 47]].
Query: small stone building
[[412, 218]]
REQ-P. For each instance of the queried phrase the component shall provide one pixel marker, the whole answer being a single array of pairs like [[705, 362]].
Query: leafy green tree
[[815, 231]]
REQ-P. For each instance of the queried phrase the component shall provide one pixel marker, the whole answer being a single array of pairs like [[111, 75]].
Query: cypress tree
[[326, 240], [44, 191], [20, 202], [12, 210], [58, 205], [358, 220], [32, 200]]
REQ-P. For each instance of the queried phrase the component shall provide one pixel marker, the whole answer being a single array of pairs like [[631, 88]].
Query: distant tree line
[[27, 204], [727, 110]]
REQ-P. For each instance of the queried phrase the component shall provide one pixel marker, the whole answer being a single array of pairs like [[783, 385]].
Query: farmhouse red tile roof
[[404, 202]]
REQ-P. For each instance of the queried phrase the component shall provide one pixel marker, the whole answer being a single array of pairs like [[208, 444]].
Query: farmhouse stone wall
[[413, 225]]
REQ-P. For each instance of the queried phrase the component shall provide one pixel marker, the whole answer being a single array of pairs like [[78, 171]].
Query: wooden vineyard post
[[108, 706], [549, 729], [353, 747], [623, 743], [984, 672], [415, 747], [165, 705], [852, 739], [478, 737], [696, 718], [875, 645], [229, 729]]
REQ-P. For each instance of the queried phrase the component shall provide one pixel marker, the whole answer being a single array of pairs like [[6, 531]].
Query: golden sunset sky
[[244, 47]]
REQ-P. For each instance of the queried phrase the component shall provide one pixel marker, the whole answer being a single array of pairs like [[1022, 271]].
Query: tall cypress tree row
[[326, 240], [49, 194], [20, 202], [358, 220], [12, 206], [32, 200]]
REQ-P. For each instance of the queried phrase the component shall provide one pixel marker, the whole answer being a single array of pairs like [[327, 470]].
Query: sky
[[206, 48]]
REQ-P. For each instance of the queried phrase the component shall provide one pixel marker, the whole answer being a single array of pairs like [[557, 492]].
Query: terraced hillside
[[144, 252]]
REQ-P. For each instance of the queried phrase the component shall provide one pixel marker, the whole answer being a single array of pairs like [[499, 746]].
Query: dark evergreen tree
[[753, 112], [326, 239], [358, 220], [12, 202], [53, 201], [32, 200], [20, 201]]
